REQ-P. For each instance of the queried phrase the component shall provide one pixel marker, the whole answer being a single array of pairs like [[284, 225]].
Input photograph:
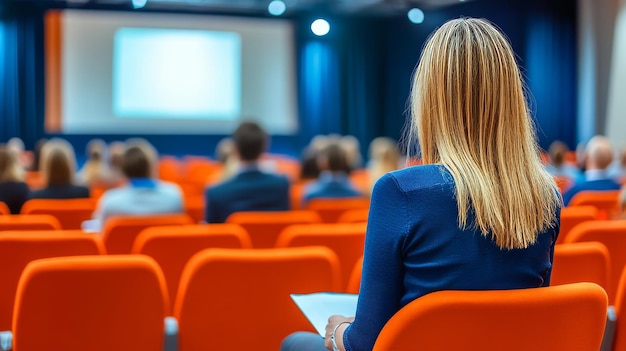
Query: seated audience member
[[598, 157], [13, 189], [58, 167], [24, 157], [115, 159], [353, 152], [226, 155], [250, 189], [478, 214], [384, 157], [333, 181], [95, 169], [558, 167], [144, 194], [310, 169]]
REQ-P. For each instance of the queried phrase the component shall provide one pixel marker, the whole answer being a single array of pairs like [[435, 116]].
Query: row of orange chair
[[239, 299]]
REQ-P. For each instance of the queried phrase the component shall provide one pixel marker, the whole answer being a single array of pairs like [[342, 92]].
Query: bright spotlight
[[276, 7], [137, 4], [416, 15], [320, 27]]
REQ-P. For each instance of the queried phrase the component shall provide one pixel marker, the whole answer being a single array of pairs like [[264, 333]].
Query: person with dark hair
[[58, 166], [13, 189], [250, 189], [144, 194], [558, 165], [333, 181]]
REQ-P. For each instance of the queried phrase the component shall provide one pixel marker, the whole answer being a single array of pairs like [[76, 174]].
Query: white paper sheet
[[318, 307]]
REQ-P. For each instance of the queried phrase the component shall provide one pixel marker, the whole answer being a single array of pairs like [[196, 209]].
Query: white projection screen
[[147, 73]]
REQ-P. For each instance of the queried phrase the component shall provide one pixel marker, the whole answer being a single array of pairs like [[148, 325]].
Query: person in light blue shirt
[[143, 194], [481, 213]]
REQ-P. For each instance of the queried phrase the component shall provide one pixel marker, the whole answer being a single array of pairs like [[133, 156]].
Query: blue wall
[[354, 81]]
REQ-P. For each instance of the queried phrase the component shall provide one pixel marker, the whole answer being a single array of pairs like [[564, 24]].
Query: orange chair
[[120, 232], [264, 227], [354, 284], [70, 212], [581, 262], [574, 215], [331, 209], [194, 208], [563, 183], [96, 303], [4, 209], [613, 235], [224, 293], [346, 240], [172, 246], [605, 201], [19, 248], [564, 317], [616, 340], [354, 216], [29, 222], [169, 169]]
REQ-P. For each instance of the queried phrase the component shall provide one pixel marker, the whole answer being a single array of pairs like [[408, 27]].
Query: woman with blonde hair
[[58, 167], [95, 170], [481, 213], [13, 189], [384, 157]]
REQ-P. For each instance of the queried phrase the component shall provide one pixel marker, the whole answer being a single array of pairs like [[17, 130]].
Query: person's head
[[557, 151], [57, 162], [470, 114], [16, 145], [139, 160], [622, 157], [250, 141], [116, 154], [10, 169], [96, 149], [385, 151], [353, 153], [225, 150], [599, 153], [333, 158]]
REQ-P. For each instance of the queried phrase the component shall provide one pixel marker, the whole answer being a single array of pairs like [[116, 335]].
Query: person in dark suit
[[333, 181], [598, 158], [13, 189], [58, 166], [250, 189]]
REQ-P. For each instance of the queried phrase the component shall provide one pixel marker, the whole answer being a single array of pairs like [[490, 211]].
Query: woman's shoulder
[[414, 178]]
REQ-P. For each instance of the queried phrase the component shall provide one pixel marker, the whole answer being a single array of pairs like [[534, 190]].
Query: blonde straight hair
[[470, 115]]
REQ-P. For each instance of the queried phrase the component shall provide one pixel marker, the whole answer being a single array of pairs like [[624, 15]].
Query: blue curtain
[[21, 79]]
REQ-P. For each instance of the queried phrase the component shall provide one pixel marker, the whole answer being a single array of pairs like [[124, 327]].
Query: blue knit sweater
[[414, 246]]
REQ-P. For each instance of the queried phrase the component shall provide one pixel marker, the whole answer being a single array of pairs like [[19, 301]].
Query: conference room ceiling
[[259, 7]]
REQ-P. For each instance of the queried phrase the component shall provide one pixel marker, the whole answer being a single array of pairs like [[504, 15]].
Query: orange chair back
[[563, 183], [607, 202], [120, 232], [17, 249], [354, 216], [346, 240], [619, 339], [90, 303], [69, 212], [172, 246], [354, 284], [572, 317], [169, 169], [331, 209], [264, 227], [4, 209], [29, 222], [581, 262], [574, 215], [194, 208], [249, 289], [613, 235]]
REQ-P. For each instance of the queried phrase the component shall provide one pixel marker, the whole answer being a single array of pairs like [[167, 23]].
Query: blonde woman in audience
[[144, 194], [353, 151], [58, 167], [384, 157], [480, 214], [13, 189], [95, 170], [226, 154], [115, 156]]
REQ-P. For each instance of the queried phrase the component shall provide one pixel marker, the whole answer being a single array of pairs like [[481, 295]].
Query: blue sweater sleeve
[[382, 278]]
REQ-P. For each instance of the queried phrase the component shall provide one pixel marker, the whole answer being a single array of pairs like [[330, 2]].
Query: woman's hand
[[333, 322]]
